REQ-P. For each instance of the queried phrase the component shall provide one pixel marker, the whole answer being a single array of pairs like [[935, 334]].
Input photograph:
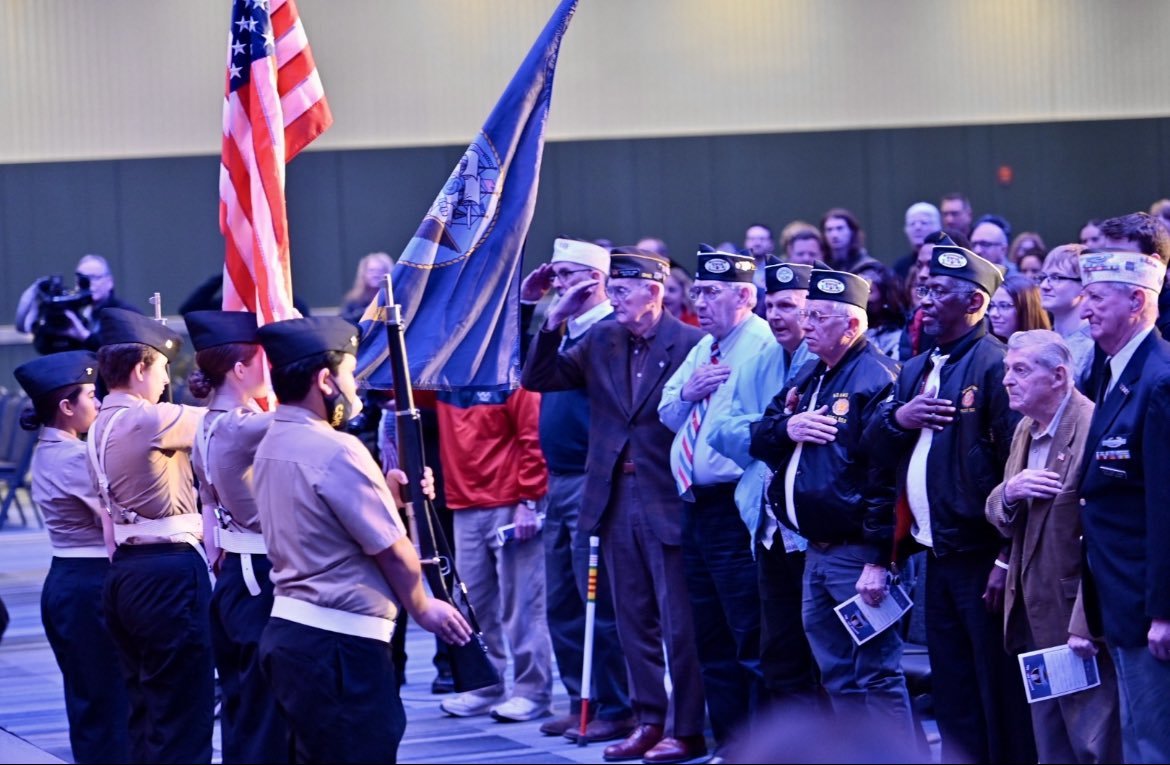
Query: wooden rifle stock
[[471, 667]]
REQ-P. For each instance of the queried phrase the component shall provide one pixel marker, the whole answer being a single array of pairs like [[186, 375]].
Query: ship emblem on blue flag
[[457, 280]]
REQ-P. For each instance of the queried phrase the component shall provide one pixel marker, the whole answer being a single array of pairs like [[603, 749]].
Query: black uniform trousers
[[338, 693], [156, 603], [979, 698], [95, 692], [250, 722]]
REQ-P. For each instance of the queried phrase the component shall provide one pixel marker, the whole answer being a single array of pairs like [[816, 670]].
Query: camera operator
[[64, 320]]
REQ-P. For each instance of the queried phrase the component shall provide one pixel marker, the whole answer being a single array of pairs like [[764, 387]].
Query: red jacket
[[489, 444]]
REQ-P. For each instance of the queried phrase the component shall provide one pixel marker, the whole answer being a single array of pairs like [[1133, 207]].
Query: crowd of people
[[755, 442]]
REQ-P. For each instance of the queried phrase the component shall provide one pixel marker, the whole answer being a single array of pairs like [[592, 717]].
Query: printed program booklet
[[1057, 671], [865, 621]]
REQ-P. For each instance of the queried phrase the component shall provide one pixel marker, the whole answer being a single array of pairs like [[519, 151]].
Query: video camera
[[53, 330]]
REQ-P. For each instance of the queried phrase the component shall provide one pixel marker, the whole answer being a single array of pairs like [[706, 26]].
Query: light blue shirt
[[740, 350], [759, 382]]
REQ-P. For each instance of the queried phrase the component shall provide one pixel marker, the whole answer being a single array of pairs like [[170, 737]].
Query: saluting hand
[[570, 302], [444, 620], [537, 283], [812, 427], [1031, 484], [925, 411], [706, 379]]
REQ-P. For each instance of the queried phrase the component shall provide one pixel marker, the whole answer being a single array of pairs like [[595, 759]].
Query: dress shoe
[[679, 749], [636, 745], [602, 730], [561, 726]]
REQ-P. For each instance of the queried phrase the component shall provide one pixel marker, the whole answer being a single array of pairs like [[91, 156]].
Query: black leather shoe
[[443, 683]]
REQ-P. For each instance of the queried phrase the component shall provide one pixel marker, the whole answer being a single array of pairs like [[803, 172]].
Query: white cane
[[590, 612]]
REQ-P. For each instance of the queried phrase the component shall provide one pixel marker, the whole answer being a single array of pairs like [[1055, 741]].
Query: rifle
[[156, 301], [471, 667]]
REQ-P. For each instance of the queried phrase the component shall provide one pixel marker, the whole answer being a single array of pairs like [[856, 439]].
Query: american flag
[[274, 106]]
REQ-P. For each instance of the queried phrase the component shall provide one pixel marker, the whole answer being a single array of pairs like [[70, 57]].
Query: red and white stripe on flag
[[274, 106]]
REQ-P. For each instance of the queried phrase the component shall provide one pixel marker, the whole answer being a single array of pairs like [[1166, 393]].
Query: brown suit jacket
[[617, 424], [1044, 571]]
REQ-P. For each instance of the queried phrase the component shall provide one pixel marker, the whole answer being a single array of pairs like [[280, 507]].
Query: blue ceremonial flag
[[458, 279]]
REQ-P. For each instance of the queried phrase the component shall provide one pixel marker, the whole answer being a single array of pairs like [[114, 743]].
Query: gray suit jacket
[[1044, 571], [619, 423]]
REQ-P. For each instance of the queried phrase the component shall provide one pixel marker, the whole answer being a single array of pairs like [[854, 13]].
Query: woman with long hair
[[676, 298], [886, 309], [63, 409], [371, 274], [230, 373], [1015, 307]]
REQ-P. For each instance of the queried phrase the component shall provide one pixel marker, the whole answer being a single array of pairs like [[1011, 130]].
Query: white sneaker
[[520, 709], [469, 704]]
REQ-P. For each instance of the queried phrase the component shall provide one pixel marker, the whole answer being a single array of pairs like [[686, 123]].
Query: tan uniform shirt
[[65, 492], [326, 512], [232, 450], [148, 458]]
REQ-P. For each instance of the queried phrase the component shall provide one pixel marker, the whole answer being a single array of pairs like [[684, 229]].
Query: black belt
[[159, 548], [823, 546]]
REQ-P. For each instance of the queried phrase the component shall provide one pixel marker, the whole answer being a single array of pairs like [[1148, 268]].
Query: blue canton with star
[[251, 40]]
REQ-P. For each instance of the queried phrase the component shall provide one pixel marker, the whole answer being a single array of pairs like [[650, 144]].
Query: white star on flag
[[234, 70], [237, 48]]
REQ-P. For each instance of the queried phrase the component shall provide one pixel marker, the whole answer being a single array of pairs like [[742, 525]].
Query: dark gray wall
[[157, 219]]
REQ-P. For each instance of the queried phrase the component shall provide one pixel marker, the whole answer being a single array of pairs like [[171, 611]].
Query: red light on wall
[[1005, 175]]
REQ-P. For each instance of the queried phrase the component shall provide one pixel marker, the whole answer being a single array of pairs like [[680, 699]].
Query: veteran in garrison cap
[[338, 595], [789, 674], [630, 496], [158, 591], [721, 578], [830, 489], [1125, 494], [948, 430]]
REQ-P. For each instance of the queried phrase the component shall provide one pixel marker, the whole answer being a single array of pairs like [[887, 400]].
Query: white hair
[[925, 207], [1048, 349], [856, 312]]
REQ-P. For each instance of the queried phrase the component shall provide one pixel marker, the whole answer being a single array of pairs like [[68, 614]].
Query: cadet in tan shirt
[[62, 390], [341, 562], [158, 590], [231, 373]]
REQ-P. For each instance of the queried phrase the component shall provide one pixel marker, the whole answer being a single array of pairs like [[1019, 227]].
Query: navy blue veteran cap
[[57, 370], [122, 326], [838, 286], [211, 328], [786, 276], [289, 341], [966, 265], [637, 264], [724, 267]]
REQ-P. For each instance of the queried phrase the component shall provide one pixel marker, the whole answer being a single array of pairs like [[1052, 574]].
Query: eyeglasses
[[1055, 278], [564, 273], [618, 293], [1000, 307], [707, 292], [819, 317], [934, 293]]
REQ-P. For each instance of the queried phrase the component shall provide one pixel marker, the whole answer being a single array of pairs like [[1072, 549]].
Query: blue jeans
[[725, 601], [1143, 683], [863, 680]]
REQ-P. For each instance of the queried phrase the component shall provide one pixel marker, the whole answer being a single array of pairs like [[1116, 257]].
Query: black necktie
[[1106, 376]]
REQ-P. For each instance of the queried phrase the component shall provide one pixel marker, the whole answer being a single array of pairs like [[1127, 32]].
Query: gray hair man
[[1036, 508]]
